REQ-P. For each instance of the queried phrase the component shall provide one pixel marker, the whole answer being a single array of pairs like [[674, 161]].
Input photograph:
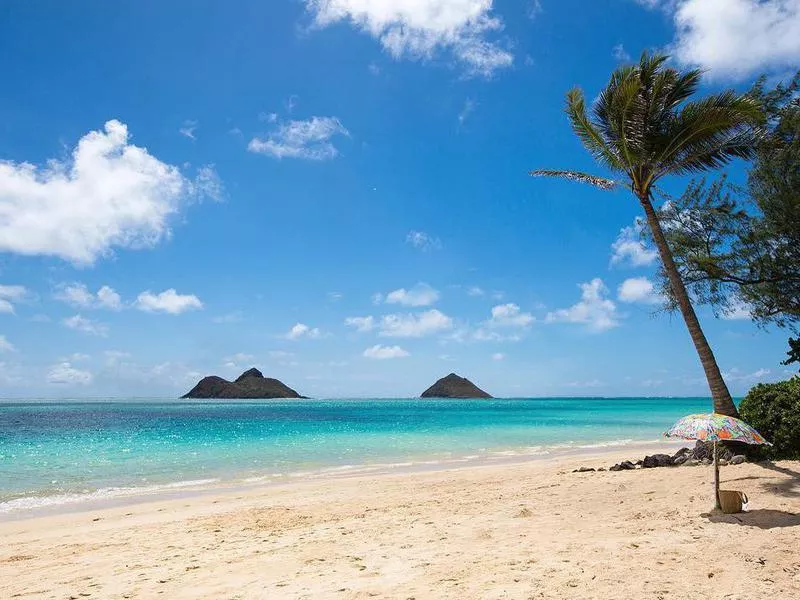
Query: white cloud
[[475, 291], [734, 38], [301, 330], [361, 324], [65, 373], [594, 310], [737, 311], [498, 356], [420, 295], [591, 383], [110, 194], [423, 241], [421, 29], [629, 247], [735, 374], [168, 301], [10, 295], [309, 139], [384, 352], [78, 295], [84, 325], [620, 54], [280, 354], [5, 345], [188, 129], [335, 296], [231, 317], [638, 289], [236, 361], [415, 325], [509, 315], [466, 111]]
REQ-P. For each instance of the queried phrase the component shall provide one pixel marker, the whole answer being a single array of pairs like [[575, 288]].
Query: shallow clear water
[[66, 450]]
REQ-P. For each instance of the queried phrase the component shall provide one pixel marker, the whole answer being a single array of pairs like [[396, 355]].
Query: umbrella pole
[[717, 504]]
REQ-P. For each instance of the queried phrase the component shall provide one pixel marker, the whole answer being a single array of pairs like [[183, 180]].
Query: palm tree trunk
[[723, 403]]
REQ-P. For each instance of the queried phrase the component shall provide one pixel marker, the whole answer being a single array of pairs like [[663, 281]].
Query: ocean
[[58, 453]]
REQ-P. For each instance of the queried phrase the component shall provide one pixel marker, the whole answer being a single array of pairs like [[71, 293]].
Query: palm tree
[[644, 127]]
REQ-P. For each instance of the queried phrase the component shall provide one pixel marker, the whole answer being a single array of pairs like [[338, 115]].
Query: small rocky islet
[[249, 385], [454, 386]]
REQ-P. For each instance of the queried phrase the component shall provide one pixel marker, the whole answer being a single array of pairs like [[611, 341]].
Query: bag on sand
[[731, 501]]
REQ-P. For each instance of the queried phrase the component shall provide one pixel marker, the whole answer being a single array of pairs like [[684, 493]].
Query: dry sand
[[532, 530]]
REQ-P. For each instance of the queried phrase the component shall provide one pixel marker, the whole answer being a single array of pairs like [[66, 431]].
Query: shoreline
[[531, 529], [32, 506]]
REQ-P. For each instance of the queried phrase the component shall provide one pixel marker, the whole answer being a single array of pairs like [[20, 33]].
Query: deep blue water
[[48, 450]]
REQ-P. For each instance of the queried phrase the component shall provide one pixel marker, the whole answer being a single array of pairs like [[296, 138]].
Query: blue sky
[[336, 192]]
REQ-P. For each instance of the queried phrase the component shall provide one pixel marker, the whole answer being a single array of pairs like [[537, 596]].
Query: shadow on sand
[[763, 518], [787, 487]]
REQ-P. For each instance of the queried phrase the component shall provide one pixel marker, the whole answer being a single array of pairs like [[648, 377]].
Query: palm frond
[[592, 139], [599, 182], [709, 133]]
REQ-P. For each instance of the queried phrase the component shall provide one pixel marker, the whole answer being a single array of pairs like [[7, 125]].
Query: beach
[[530, 529]]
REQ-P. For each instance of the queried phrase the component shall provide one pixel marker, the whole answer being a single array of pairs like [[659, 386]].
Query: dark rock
[[657, 460], [691, 462], [738, 459], [249, 385], [454, 386], [583, 470], [601, 469], [249, 373], [703, 450], [679, 460], [625, 465]]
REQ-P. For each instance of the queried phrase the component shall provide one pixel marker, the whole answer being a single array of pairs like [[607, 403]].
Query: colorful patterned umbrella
[[714, 427]]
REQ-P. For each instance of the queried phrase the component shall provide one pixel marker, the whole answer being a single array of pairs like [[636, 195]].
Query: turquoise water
[[62, 452]]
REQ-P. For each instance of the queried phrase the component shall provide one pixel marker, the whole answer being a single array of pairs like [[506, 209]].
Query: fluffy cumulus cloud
[[84, 325], [64, 373], [509, 315], [415, 325], [310, 139], [423, 241], [594, 310], [735, 38], [385, 352], [79, 296], [420, 295], [168, 301], [497, 356], [301, 330], [10, 295], [109, 194], [629, 249], [421, 29], [361, 324], [638, 290]]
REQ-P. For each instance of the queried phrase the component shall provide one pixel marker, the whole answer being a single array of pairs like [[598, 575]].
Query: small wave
[[34, 502]]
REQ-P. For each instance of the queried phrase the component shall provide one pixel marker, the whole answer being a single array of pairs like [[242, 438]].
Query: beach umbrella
[[714, 427]]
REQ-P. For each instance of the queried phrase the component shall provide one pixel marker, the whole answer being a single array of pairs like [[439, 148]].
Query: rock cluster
[[249, 385], [701, 454]]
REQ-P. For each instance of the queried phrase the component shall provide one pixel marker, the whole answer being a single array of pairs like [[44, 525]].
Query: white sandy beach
[[530, 530]]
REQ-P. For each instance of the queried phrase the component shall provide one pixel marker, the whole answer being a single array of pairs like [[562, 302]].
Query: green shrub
[[774, 410]]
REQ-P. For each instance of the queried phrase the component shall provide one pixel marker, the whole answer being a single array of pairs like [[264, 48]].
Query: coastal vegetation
[[738, 248], [774, 409], [644, 126]]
